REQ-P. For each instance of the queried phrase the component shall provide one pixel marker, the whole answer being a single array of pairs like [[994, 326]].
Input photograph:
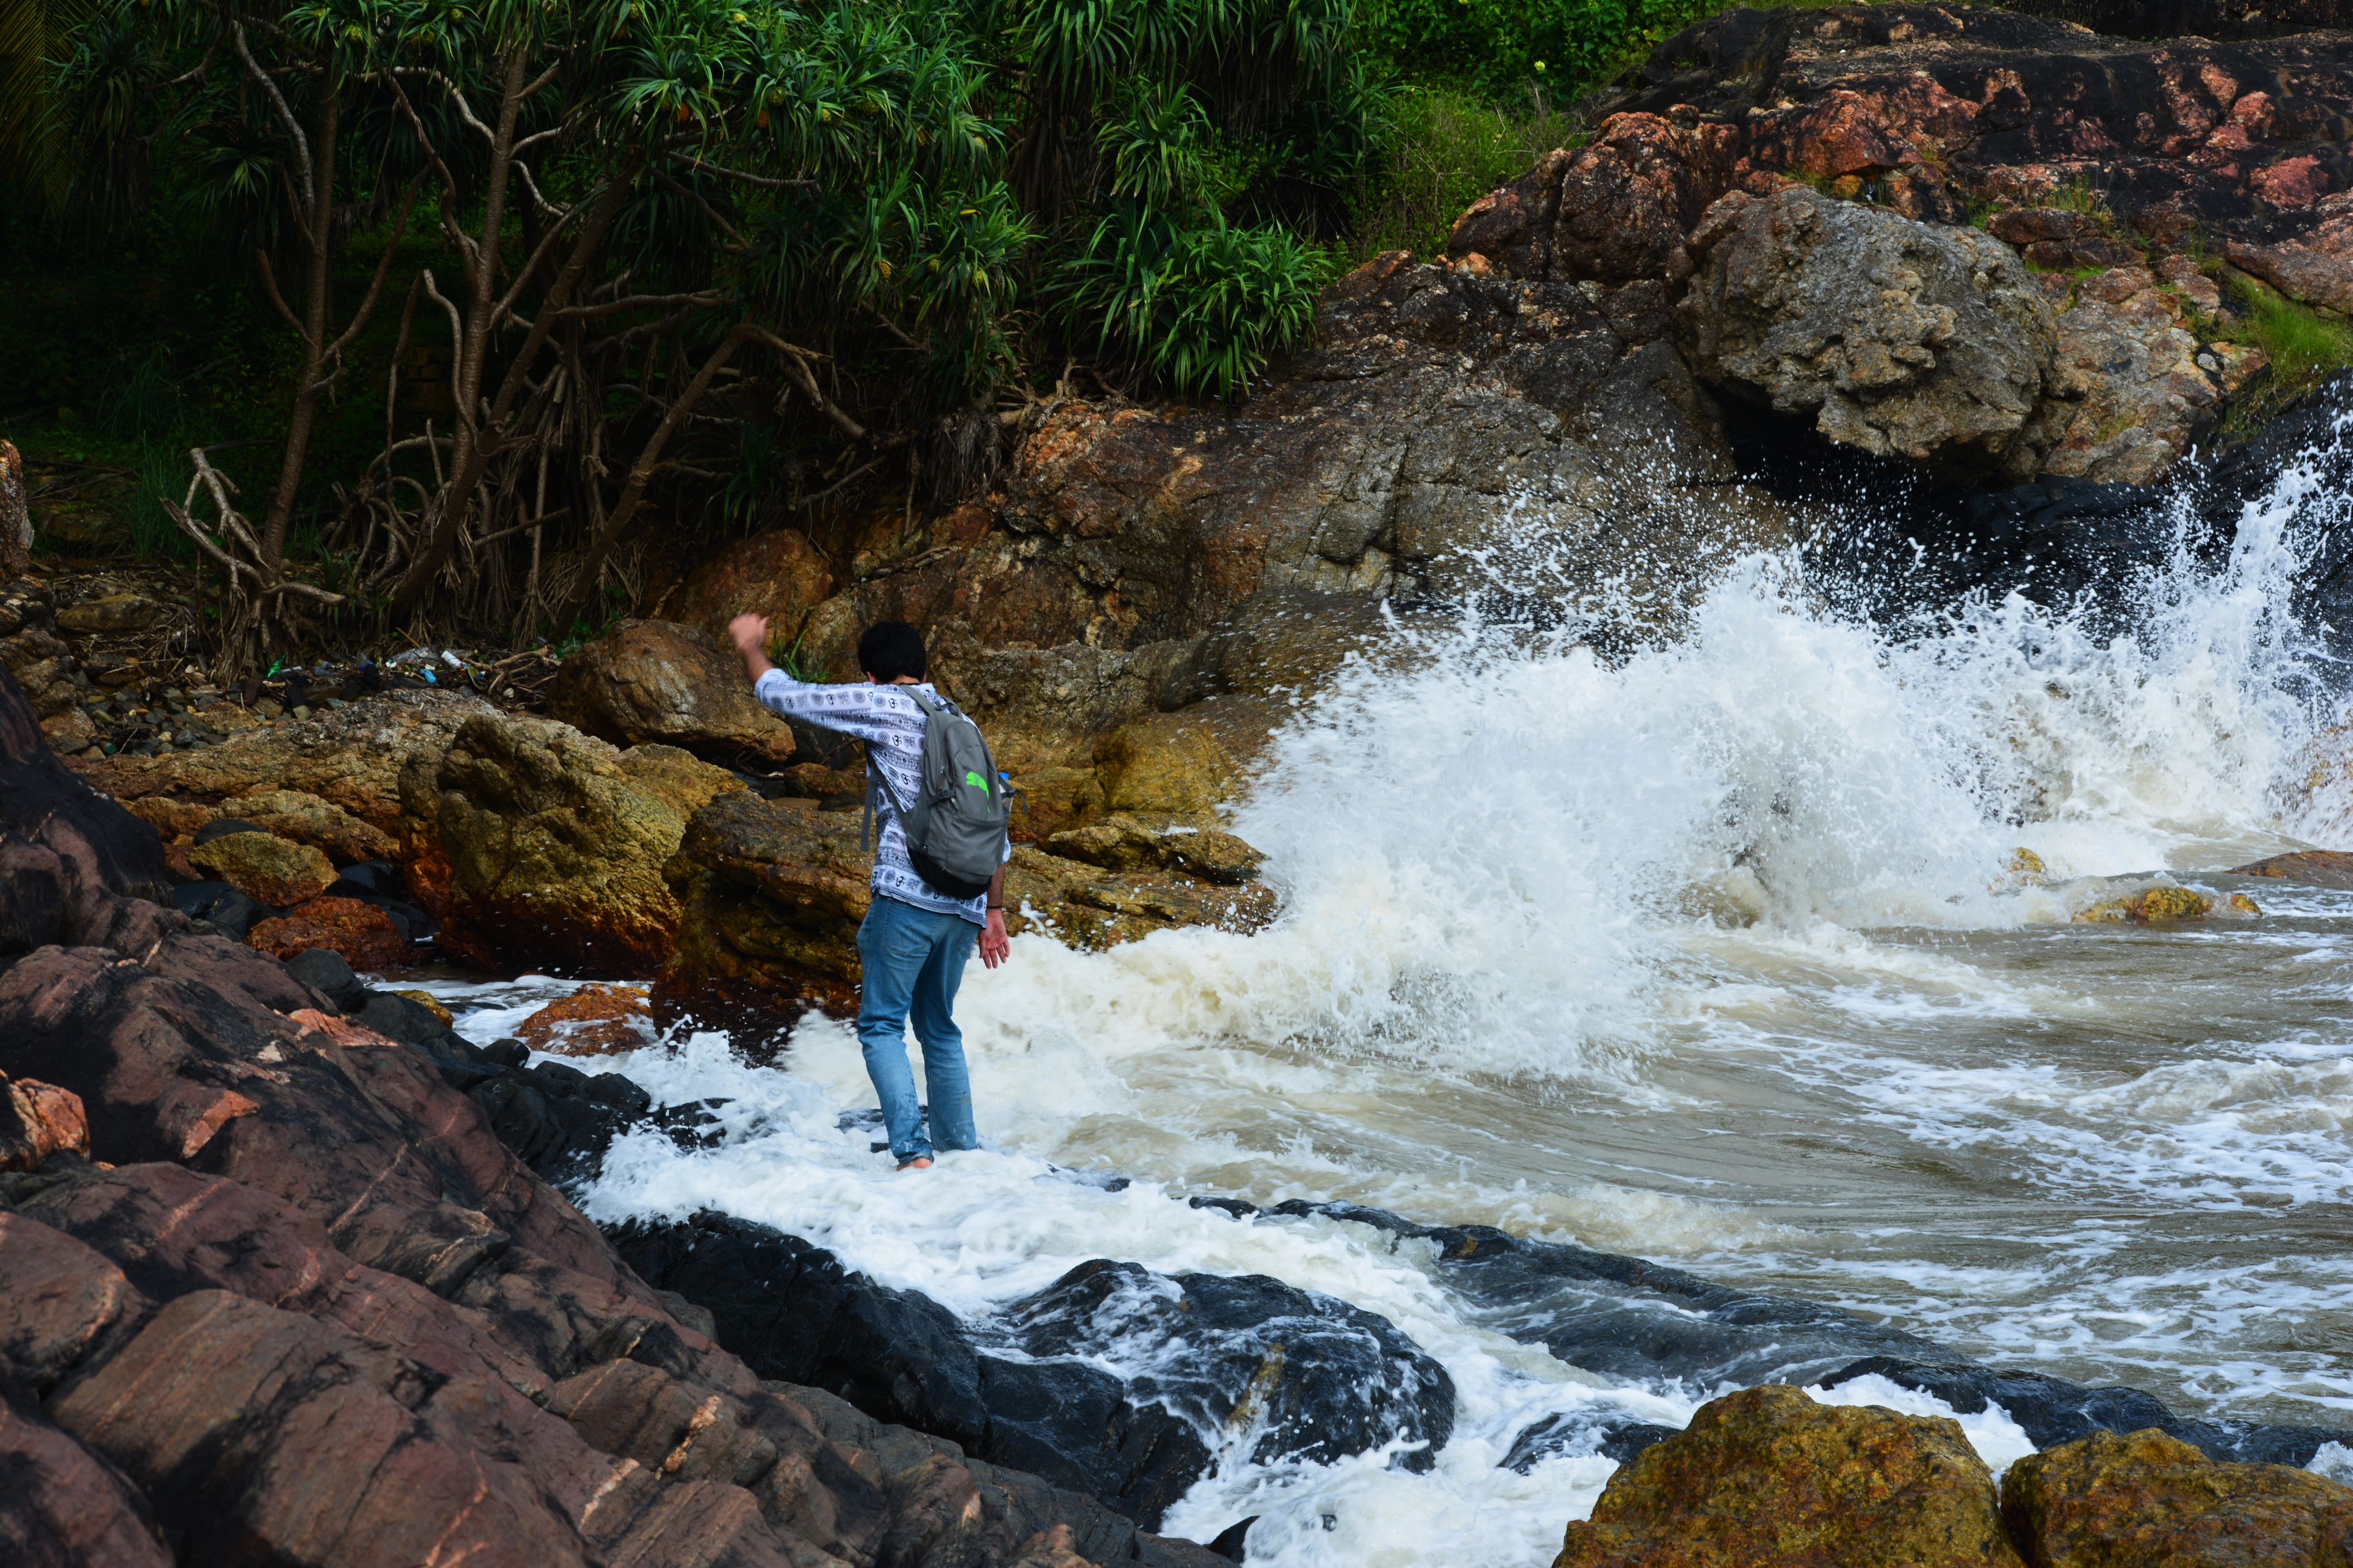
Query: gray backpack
[[956, 825]]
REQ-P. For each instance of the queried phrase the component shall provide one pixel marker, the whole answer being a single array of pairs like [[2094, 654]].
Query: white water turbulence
[[1723, 955]]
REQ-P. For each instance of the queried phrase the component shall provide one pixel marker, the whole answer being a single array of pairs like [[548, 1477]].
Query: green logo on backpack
[[977, 782]]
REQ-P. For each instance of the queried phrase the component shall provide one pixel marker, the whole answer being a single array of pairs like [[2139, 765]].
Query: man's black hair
[[890, 649]]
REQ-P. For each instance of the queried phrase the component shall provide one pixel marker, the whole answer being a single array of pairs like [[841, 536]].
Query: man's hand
[[750, 635], [994, 945]]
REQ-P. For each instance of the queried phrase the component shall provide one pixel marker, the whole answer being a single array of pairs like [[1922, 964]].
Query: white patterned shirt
[[888, 720]]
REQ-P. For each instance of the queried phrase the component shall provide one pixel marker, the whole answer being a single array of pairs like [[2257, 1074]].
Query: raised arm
[[859, 710]]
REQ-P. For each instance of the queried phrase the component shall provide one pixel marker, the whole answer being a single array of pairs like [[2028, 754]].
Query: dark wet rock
[[1098, 1533], [1322, 1378], [79, 868], [223, 827], [226, 909], [1582, 1431], [2052, 1411], [324, 971], [1326, 1379], [1632, 1319]]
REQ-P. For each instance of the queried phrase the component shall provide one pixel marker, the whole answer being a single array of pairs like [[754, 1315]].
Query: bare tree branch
[[285, 114], [765, 182]]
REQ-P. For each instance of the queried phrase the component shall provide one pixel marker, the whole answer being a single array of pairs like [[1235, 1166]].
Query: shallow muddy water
[[1720, 955]]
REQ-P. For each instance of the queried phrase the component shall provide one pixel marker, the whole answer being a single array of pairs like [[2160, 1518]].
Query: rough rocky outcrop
[[658, 681], [298, 1304], [39, 1119], [1768, 1476], [2080, 148], [2143, 1496], [556, 842], [772, 891], [1891, 335], [354, 757], [1453, 441]]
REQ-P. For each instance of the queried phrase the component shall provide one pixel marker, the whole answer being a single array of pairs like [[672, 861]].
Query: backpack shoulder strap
[[877, 781]]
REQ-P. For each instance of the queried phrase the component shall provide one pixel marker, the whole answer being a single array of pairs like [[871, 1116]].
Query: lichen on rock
[[1767, 1478], [2111, 1499]]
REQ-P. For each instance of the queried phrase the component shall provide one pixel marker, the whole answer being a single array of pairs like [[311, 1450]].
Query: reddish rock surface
[[594, 1021], [364, 934], [1937, 107], [2153, 161], [39, 1119]]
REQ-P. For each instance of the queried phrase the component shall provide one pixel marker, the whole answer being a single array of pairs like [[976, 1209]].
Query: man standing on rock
[[914, 943]]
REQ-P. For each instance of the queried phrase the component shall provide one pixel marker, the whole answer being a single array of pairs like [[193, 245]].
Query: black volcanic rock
[[1201, 1354]]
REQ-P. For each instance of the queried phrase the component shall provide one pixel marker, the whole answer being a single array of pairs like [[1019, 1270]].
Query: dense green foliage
[[452, 294], [1499, 45]]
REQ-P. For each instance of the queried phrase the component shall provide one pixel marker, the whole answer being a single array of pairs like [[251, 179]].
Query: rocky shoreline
[[271, 1283]]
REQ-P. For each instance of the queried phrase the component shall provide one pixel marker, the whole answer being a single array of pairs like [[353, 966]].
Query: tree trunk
[[317, 286], [414, 584]]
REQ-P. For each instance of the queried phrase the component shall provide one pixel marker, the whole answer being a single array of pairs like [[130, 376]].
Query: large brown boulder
[[2112, 1500], [1931, 343], [305, 818], [1617, 209], [1767, 1478], [776, 574], [774, 892], [660, 681], [275, 872], [556, 841]]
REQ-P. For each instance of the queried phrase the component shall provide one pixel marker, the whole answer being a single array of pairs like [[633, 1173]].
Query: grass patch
[[2304, 348], [1445, 150]]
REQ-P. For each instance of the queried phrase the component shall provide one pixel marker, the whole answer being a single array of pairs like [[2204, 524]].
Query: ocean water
[[1722, 954]]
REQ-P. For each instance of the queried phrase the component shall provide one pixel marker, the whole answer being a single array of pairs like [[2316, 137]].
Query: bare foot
[[920, 1162]]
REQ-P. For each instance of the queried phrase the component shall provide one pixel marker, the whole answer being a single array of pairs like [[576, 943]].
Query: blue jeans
[[913, 962]]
